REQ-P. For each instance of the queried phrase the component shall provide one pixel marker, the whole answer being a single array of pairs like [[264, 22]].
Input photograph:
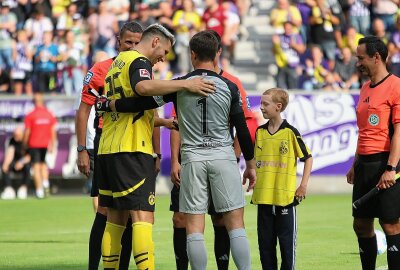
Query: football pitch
[[53, 234]]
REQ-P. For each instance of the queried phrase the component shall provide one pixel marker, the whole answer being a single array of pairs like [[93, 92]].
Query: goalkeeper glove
[[102, 105]]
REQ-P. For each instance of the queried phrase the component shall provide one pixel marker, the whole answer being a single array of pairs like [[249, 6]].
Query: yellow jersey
[[127, 132], [276, 164]]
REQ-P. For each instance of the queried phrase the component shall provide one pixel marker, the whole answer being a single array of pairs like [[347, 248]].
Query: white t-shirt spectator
[[36, 28]]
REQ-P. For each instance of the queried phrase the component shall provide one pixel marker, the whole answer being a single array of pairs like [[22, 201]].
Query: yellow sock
[[111, 245], [142, 245]]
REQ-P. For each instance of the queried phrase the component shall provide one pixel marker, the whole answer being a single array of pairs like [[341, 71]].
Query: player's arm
[[175, 142], [239, 122], [81, 121], [169, 123], [302, 189], [197, 85], [388, 177], [156, 144], [94, 79], [303, 152], [350, 173], [140, 71]]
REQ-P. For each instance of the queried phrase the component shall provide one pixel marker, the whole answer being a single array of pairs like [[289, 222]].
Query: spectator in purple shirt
[[287, 49]]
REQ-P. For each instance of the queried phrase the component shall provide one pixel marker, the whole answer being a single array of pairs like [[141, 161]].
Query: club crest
[[284, 148]]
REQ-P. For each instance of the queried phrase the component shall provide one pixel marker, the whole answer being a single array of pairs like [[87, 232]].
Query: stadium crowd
[[47, 45], [316, 40]]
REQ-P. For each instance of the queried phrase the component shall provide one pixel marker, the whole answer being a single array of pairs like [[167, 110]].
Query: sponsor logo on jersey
[[144, 73], [88, 77], [373, 119]]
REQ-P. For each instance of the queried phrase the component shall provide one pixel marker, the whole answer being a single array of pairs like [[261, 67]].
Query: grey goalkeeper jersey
[[204, 121]]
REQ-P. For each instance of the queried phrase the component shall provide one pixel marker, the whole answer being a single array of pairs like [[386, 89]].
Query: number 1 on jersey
[[202, 102]]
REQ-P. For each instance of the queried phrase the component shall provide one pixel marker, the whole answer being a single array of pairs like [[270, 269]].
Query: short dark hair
[[157, 30], [205, 45], [131, 26], [374, 45], [217, 36]]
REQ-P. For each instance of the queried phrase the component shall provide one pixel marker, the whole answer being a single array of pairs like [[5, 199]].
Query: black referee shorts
[[367, 172], [127, 181]]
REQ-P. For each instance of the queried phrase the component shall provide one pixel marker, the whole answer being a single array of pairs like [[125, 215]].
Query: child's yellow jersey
[[276, 158]]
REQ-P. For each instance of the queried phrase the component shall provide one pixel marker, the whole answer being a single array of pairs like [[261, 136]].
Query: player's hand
[[350, 176], [157, 165], [387, 180], [102, 105], [175, 173], [300, 193], [83, 163], [171, 123], [249, 174], [200, 86]]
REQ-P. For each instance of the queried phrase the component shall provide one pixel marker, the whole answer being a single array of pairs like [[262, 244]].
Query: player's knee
[[218, 220], [178, 219], [102, 210], [363, 228], [390, 227]]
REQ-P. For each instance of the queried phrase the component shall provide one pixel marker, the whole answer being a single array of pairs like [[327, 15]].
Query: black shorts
[[174, 205], [38, 155], [28, 77], [94, 192], [367, 172], [126, 181]]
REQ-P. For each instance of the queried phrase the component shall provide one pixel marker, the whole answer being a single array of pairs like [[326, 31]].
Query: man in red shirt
[[39, 136], [377, 156], [214, 18]]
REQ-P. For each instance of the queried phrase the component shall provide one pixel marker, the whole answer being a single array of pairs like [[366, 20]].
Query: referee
[[377, 155]]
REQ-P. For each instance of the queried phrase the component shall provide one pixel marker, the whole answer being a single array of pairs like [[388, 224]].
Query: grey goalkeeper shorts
[[221, 178]]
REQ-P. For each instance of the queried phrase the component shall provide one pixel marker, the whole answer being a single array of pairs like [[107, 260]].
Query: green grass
[[53, 234]]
